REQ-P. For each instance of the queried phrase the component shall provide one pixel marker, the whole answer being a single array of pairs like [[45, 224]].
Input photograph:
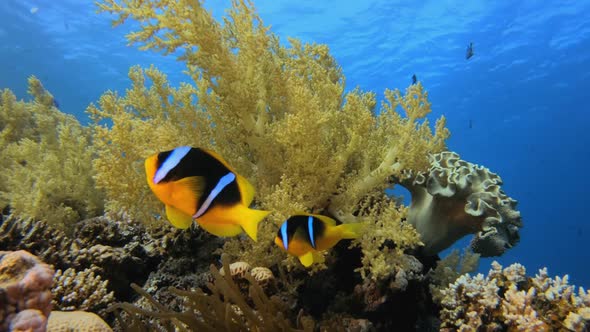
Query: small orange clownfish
[[197, 184], [304, 235]]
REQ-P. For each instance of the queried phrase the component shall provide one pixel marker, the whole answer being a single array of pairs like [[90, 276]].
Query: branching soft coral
[[46, 160], [380, 258], [277, 114], [151, 116]]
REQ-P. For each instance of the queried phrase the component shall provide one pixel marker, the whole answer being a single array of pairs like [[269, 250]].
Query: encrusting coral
[[278, 114], [46, 161], [455, 198], [508, 300]]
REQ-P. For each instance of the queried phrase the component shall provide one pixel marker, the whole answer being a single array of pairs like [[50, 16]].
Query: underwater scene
[[186, 165]]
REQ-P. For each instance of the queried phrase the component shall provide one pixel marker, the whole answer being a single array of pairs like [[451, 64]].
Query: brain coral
[[76, 321], [455, 198]]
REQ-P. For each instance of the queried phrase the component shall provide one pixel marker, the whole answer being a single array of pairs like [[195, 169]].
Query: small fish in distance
[[469, 52]]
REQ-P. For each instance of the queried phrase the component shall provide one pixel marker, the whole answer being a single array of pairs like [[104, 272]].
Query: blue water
[[524, 91]]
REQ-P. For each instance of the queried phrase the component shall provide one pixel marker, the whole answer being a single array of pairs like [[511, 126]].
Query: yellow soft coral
[[151, 116], [278, 114], [46, 159]]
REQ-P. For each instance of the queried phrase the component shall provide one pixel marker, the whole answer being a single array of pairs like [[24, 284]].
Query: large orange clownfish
[[197, 184]]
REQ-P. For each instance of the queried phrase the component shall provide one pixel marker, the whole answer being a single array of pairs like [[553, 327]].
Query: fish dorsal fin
[[196, 184], [178, 218], [219, 158], [325, 219], [306, 259]]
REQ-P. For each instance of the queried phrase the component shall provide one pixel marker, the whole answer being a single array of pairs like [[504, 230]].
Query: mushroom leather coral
[[455, 198]]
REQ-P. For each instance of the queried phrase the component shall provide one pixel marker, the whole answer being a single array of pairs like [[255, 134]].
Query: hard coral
[[123, 257], [81, 290], [28, 320], [76, 321], [248, 89], [449, 269], [25, 284], [507, 299], [455, 198], [46, 161]]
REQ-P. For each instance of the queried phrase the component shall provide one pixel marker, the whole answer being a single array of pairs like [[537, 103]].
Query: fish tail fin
[[250, 219], [352, 230]]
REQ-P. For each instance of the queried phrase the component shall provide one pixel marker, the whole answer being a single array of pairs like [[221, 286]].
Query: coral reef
[[118, 250], [249, 89], [46, 158], [76, 321], [508, 300], [224, 309], [384, 245], [333, 152], [455, 198], [80, 290], [449, 269], [25, 296], [28, 320]]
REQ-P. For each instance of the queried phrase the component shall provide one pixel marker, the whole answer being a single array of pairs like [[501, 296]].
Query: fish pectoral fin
[[196, 184], [178, 218], [306, 259]]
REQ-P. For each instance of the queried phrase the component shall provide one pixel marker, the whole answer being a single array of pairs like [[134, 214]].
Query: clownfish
[[304, 235], [197, 184]]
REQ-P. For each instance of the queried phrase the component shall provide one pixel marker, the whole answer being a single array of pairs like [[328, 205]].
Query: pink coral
[[29, 320], [25, 283]]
